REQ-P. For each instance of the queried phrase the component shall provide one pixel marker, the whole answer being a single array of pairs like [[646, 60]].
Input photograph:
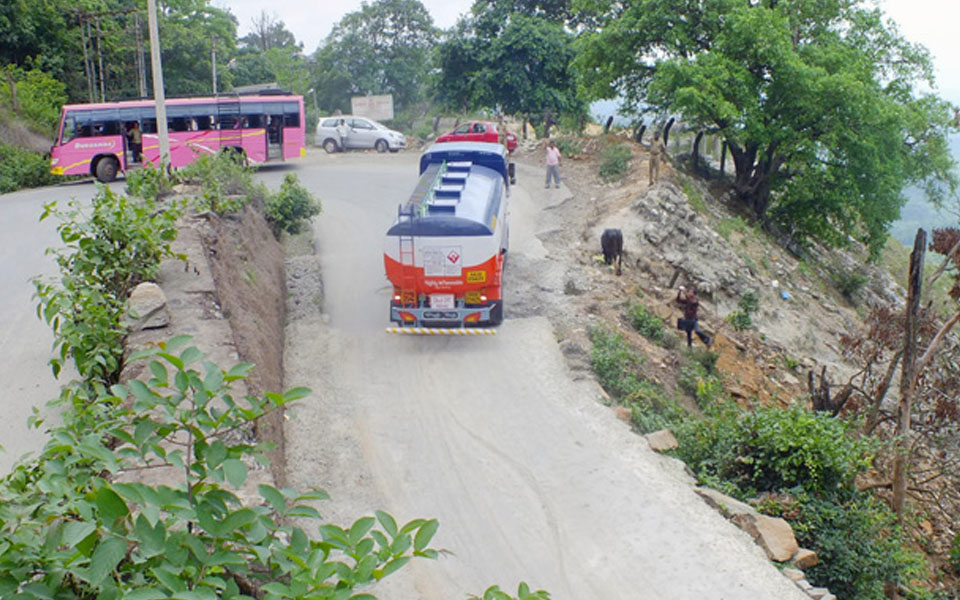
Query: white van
[[362, 134]]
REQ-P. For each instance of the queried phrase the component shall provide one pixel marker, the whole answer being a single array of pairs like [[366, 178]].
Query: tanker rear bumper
[[459, 317]]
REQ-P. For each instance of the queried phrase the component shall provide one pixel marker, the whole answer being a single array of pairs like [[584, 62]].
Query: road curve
[[530, 477]]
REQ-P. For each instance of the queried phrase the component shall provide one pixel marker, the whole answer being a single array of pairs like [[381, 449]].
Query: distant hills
[[920, 213]]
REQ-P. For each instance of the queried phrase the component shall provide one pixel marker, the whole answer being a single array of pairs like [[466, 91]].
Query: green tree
[[818, 101], [383, 48], [188, 29], [518, 63], [269, 32]]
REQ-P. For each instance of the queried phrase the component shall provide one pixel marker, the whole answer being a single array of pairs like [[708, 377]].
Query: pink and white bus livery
[[93, 137]]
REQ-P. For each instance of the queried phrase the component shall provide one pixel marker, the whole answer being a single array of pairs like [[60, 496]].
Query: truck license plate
[[441, 301]]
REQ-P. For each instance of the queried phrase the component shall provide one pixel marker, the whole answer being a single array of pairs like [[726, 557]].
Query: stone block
[[728, 507], [147, 307], [661, 441], [793, 574], [773, 534], [818, 593], [804, 559]]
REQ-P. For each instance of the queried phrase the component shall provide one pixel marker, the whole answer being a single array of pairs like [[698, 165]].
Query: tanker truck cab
[[444, 254]]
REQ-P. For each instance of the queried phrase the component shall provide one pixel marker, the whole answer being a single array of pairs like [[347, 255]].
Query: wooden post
[[723, 157], [13, 92], [908, 380]]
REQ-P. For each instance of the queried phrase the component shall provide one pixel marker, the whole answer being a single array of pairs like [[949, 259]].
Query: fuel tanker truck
[[444, 254]]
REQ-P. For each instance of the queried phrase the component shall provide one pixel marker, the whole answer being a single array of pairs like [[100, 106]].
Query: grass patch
[[694, 196], [729, 225], [614, 162], [647, 324], [895, 259]]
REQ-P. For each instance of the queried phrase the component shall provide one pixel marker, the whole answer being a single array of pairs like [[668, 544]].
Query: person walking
[[342, 133], [688, 300], [553, 164], [657, 153]]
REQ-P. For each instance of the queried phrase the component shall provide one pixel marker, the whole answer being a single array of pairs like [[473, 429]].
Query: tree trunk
[[908, 379], [666, 131], [696, 151], [723, 158], [873, 418], [13, 92]]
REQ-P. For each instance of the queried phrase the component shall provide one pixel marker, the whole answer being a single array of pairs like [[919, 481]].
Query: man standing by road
[[553, 164], [687, 298], [342, 133], [136, 141], [657, 152]]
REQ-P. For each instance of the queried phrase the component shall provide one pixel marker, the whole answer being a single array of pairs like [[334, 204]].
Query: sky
[[934, 23]]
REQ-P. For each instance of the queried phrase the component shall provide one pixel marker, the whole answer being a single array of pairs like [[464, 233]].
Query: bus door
[[274, 131], [229, 123]]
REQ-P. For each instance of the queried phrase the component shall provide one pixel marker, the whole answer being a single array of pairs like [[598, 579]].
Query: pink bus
[[97, 139]]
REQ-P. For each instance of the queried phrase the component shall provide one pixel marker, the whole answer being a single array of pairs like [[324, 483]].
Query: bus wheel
[[330, 146], [381, 146], [107, 169]]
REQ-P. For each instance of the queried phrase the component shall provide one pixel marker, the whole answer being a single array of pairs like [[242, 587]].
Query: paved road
[[530, 477], [25, 339]]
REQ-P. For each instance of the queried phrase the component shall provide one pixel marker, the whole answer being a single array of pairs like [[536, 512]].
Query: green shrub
[[705, 387], [859, 544], [569, 146], [291, 207], [104, 255], [651, 409], [614, 162], [613, 362], [21, 168], [727, 226], [39, 94], [748, 304], [646, 323], [149, 182], [772, 449], [848, 283], [225, 182], [80, 532], [694, 197]]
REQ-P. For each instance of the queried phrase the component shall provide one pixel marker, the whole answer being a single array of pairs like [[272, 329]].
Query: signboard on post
[[379, 108]]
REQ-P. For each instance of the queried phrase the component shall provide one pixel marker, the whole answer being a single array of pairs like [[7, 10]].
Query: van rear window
[[329, 123]]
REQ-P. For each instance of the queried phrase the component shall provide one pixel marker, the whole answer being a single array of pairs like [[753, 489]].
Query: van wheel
[[381, 146], [330, 145], [107, 169]]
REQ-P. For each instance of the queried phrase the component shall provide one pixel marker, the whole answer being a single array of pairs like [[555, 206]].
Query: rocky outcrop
[[662, 441]]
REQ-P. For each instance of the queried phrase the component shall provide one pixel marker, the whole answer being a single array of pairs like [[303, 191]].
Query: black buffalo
[[612, 244]]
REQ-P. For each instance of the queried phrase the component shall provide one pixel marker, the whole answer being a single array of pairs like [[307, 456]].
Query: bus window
[[69, 130], [254, 121], [292, 120], [149, 126]]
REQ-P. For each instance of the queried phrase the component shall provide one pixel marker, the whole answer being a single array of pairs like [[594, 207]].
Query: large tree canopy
[[383, 48], [513, 57], [819, 102]]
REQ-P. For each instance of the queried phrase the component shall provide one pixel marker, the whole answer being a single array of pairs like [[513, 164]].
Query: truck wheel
[[330, 145], [107, 169], [496, 313], [381, 146]]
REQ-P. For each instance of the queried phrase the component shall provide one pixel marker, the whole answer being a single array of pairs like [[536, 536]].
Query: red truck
[[479, 131]]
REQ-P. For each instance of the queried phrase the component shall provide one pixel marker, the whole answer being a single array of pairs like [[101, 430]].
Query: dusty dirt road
[[531, 478]]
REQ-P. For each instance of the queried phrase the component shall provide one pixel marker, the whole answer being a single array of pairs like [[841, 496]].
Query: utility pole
[[213, 62], [157, 70]]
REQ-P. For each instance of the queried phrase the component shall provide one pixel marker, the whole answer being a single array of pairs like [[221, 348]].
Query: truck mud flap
[[441, 331]]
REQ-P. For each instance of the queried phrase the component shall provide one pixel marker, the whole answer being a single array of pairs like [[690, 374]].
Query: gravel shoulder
[[530, 476]]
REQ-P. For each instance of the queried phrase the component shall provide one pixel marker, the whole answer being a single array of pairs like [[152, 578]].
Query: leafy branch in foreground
[[104, 255], [75, 524]]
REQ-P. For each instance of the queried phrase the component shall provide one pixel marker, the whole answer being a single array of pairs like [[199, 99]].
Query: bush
[[772, 449], [613, 362], [21, 168], [569, 146], [704, 386], [104, 255], [859, 544], [226, 184], [848, 283], [39, 95], [955, 554], [651, 409], [748, 304], [727, 226], [149, 182], [291, 207], [614, 162], [646, 323]]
